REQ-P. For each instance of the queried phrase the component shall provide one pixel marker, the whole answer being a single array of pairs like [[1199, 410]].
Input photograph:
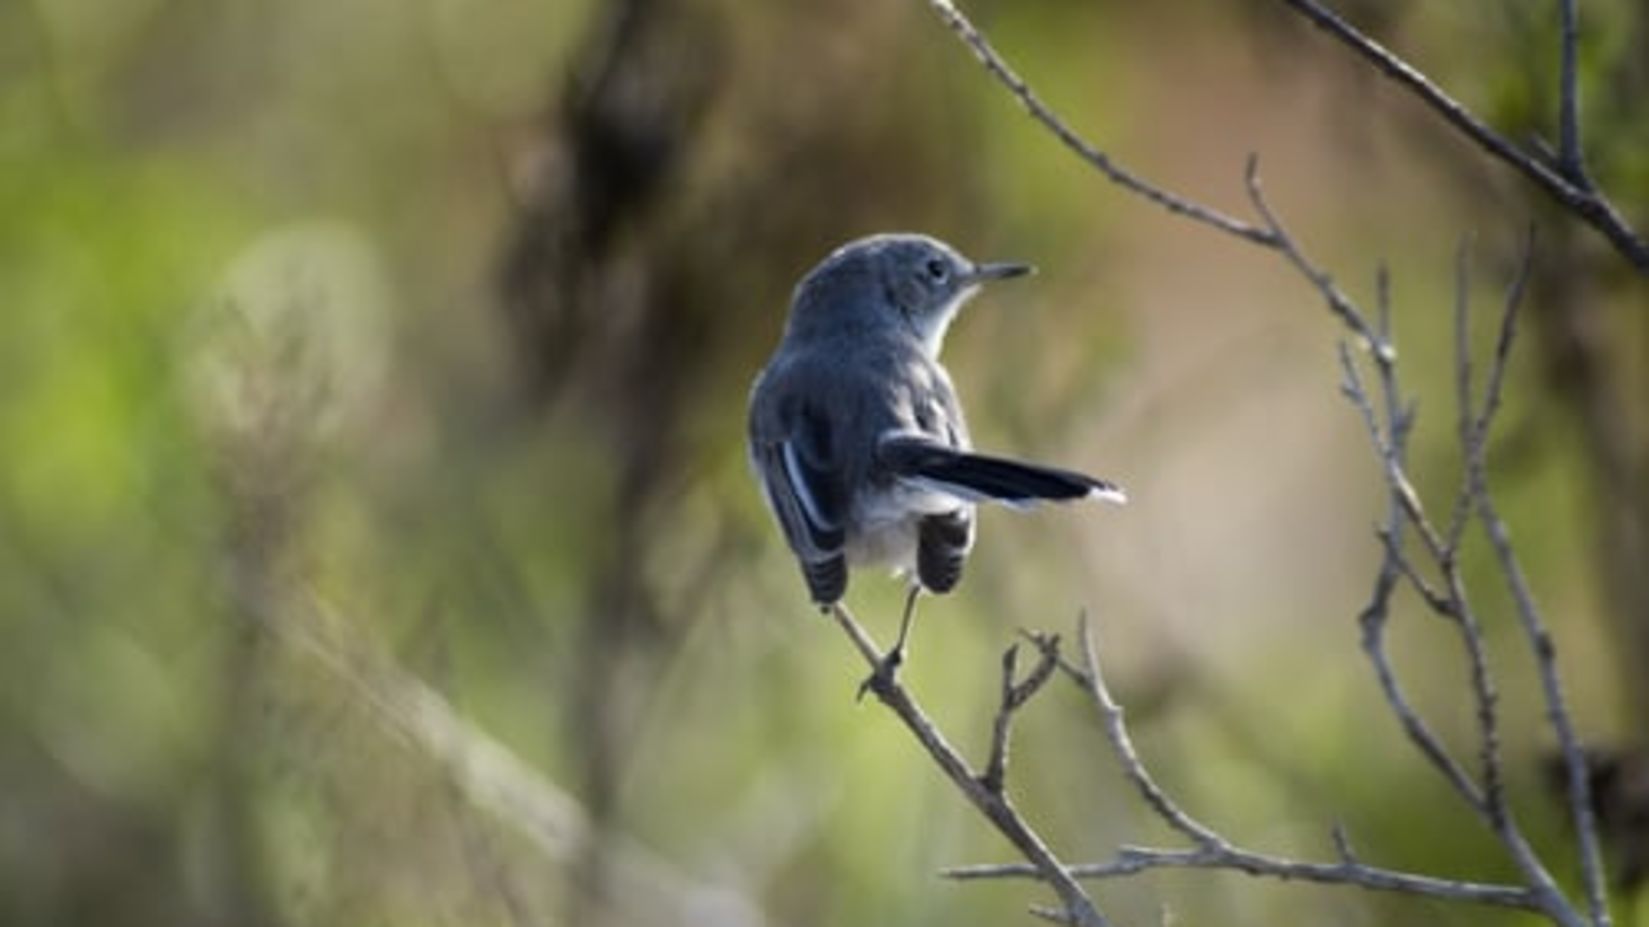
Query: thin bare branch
[[1342, 844], [1115, 173], [1513, 303], [996, 766], [1529, 618], [1486, 699], [1214, 851], [1570, 159], [1557, 713], [1373, 619], [1131, 860], [1014, 697], [1465, 427], [1047, 647], [1400, 419], [995, 806], [1351, 386], [1116, 730], [1338, 302], [1488, 800], [1422, 587], [1484, 696], [1578, 198]]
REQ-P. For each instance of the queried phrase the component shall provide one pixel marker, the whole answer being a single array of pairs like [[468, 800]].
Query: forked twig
[[1014, 697], [1212, 851], [995, 805]]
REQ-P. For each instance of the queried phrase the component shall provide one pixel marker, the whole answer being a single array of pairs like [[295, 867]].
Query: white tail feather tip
[[1112, 494]]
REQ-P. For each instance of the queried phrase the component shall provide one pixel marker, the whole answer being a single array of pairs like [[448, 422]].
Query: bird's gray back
[[872, 387]]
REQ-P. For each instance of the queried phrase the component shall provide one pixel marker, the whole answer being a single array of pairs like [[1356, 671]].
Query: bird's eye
[[937, 269]]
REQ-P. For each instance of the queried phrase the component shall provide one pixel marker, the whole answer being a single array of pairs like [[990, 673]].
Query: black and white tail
[[983, 478]]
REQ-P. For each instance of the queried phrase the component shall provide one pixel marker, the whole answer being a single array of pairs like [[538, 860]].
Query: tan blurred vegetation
[[376, 545]]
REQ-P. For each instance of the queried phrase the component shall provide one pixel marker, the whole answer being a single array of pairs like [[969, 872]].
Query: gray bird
[[855, 431]]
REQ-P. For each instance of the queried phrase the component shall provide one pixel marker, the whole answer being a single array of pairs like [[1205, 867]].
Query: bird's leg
[[889, 665], [897, 654]]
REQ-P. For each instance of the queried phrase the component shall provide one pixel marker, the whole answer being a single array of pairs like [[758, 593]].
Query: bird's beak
[[1000, 270]]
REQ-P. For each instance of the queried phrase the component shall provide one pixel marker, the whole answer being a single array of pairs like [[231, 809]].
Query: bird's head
[[900, 282]]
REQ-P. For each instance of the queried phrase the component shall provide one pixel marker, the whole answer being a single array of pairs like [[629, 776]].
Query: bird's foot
[[881, 678]]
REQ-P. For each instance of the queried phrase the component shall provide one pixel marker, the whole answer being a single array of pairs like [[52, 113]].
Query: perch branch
[[996, 807]]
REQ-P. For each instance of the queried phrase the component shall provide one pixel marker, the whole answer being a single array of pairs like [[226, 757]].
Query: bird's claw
[[883, 675]]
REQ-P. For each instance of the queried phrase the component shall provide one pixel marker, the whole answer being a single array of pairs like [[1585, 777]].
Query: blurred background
[[376, 541]]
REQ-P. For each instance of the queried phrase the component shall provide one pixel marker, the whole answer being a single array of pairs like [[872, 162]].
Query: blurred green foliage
[[271, 417]]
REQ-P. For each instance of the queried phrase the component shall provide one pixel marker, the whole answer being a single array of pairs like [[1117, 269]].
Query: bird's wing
[[804, 482]]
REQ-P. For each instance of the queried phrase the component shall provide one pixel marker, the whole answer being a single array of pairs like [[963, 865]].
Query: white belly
[[884, 526]]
